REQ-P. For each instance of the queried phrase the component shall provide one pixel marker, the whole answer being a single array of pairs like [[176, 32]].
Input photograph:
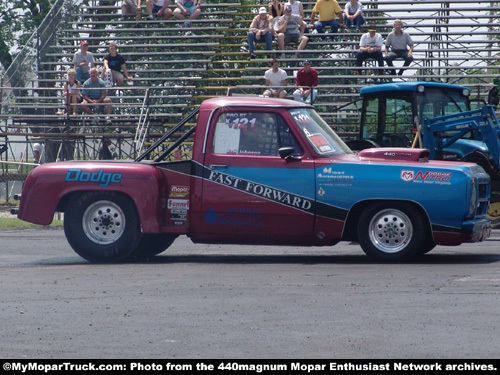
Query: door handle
[[212, 166]]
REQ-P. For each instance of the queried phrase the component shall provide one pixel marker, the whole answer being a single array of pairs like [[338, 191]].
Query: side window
[[250, 133]]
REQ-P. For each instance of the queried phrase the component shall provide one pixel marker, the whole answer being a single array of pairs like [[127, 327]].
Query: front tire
[[102, 227], [391, 232]]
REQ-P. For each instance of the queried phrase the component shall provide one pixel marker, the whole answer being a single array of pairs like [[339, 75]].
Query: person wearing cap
[[306, 81], [83, 60], [353, 14], [370, 47], [291, 30], [329, 15], [261, 30], [276, 79], [398, 42], [131, 8]]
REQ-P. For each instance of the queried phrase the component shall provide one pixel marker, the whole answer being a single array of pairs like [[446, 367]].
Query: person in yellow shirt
[[329, 15]]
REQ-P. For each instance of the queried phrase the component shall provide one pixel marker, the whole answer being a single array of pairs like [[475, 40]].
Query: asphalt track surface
[[229, 302]]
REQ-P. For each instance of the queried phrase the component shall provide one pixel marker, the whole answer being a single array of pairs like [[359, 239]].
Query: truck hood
[[395, 154]]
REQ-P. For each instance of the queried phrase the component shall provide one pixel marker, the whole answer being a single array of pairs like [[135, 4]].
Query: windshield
[[434, 102], [318, 133]]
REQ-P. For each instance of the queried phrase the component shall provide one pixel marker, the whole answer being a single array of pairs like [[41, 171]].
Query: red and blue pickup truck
[[264, 172]]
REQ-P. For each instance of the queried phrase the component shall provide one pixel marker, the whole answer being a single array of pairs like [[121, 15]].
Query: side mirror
[[287, 153]]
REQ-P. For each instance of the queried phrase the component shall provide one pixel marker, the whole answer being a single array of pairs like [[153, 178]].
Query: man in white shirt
[[276, 80], [370, 47]]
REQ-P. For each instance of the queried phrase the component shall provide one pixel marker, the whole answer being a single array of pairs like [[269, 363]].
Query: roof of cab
[[407, 86], [233, 101]]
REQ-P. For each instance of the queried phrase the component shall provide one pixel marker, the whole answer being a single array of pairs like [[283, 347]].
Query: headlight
[[473, 197], [465, 92], [420, 88]]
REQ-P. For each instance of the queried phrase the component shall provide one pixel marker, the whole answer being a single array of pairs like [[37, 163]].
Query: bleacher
[[455, 41]]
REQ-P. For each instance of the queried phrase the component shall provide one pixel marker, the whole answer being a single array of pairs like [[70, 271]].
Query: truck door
[[249, 193]]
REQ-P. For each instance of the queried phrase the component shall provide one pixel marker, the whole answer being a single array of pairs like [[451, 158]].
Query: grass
[[15, 223]]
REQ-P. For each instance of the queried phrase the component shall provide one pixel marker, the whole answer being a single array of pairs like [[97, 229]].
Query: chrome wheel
[[103, 222], [390, 230]]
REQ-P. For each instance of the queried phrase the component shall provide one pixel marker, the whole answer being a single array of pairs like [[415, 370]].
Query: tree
[[18, 20]]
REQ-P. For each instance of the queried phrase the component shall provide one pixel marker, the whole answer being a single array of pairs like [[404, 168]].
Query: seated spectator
[[261, 30], [71, 93], [276, 10], [94, 93], [353, 15], [370, 47], [159, 8], [131, 8], [398, 42], [306, 81], [297, 8], [276, 79], [115, 63], [83, 60], [291, 30], [330, 15], [187, 8]]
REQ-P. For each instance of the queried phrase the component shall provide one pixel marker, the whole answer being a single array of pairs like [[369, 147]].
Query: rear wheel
[[102, 227], [391, 231]]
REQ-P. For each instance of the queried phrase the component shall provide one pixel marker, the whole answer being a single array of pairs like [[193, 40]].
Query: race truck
[[262, 171], [432, 115]]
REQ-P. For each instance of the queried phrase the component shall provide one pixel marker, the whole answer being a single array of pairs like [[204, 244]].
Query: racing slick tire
[[391, 231], [102, 227], [152, 244]]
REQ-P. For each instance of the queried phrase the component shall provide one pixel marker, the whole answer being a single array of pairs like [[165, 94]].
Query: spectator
[[261, 30], [353, 15], [330, 15], [297, 8], [370, 47], [177, 154], [83, 60], [398, 42], [71, 93], [115, 63], [276, 9], [306, 81], [187, 8], [94, 92], [39, 153], [291, 30], [104, 153], [131, 8], [159, 8], [276, 80]]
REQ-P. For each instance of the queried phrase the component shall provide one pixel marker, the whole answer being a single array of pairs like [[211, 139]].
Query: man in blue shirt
[[94, 93]]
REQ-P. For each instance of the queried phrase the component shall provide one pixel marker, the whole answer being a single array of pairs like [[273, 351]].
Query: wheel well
[[352, 222], [63, 202]]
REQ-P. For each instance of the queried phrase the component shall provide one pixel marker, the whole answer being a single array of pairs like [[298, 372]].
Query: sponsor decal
[[249, 217], [262, 191], [178, 204], [407, 175], [427, 177], [329, 177], [179, 191], [104, 179]]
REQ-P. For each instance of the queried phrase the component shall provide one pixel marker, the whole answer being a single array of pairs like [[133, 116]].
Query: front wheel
[[391, 232], [102, 227]]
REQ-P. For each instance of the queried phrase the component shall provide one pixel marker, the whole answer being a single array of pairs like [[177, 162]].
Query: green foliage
[[18, 20]]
